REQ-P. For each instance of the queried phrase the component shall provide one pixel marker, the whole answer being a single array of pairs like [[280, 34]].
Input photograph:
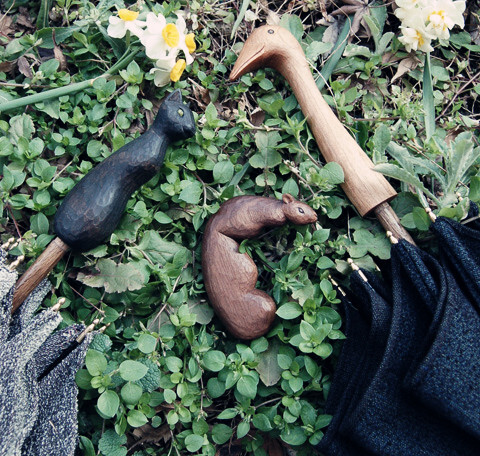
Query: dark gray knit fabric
[[40, 416], [386, 417], [367, 321], [460, 248], [389, 420], [447, 379]]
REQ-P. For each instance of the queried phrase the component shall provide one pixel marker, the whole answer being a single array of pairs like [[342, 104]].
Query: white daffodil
[[416, 38], [126, 20], [186, 41], [156, 44], [161, 39], [167, 69], [443, 15]]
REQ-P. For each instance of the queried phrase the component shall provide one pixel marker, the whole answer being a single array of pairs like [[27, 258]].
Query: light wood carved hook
[[275, 47]]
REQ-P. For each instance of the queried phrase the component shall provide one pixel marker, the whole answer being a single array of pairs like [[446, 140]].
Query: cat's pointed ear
[[176, 95]]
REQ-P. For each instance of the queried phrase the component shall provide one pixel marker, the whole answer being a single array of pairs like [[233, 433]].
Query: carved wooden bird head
[[268, 46]]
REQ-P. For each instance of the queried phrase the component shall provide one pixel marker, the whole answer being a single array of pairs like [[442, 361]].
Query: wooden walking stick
[[275, 47], [92, 210]]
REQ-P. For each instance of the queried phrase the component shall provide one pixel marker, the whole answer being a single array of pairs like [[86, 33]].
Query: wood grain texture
[[230, 276], [276, 47], [93, 208], [38, 271]]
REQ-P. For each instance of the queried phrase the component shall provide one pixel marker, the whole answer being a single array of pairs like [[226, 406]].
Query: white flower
[[162, 39], [127, 20], [156, 46], [443, 15], [167, 69], [417, 39], [186, 41], [408, 11]]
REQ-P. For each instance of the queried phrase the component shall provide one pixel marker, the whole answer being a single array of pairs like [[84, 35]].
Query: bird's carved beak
[[249, 59]]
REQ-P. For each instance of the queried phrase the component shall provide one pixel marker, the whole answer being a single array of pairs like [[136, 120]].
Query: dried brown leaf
[[57, 52], [5, 26], [149, 434], [24, 20], [406, 65], [24, 67], [7, 67], [272, 447]]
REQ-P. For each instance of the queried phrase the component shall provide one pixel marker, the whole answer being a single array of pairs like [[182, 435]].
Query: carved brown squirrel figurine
[[230, 276]]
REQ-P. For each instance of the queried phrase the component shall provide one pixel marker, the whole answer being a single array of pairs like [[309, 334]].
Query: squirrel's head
[[297, 212]]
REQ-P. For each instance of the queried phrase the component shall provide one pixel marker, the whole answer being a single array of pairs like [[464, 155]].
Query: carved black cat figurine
[[92, 210]]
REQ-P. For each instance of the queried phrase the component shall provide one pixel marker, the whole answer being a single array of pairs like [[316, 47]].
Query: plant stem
[[71, 88]]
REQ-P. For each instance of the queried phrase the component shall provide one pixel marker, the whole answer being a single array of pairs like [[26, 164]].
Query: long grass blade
[[428, 104], [337, 52]]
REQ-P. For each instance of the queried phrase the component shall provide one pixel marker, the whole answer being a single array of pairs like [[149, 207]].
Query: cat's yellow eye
[[180, 112]]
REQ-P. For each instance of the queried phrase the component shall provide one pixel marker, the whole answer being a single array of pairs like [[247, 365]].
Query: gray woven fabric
[[18, 385], [36, 417], [55, 430]]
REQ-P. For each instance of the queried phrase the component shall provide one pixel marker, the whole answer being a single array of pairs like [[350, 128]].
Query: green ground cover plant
[[165, 378]]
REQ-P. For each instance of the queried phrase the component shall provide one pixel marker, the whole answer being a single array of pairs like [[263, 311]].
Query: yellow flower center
[[170, 35], [420, 39], [437, 18], [190, 42], [177, 70], [127, 15]]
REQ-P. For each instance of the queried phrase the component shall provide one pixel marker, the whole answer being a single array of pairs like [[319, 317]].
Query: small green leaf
[[289, 311], [108, 403], [131, 393], [132, 370], [96, 362], [174, 364], [135, 418], [146, 343], [221, 433], [242, 429], [261, 422], [194, 442], [295, 436], [247, 386], [223, 171], [214, 360], [228, 414]]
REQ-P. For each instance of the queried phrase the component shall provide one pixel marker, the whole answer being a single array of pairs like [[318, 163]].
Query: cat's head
[[174, 118]]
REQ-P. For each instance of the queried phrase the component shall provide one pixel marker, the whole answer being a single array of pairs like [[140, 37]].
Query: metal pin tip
[[62, 301], [391, 237], [15, 263], [103, 328], [7, 244], [430, 213], [56, 307], [12, 246], [352, 264]]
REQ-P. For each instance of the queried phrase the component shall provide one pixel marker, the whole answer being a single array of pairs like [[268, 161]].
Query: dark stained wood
[[275, 47], [93, 208], [230, 276], [38, 271]]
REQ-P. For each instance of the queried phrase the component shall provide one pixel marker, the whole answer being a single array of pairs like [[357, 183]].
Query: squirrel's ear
[[176, 95], [287, 198]]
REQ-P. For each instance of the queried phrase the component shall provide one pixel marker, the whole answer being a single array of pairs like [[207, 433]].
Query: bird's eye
[[271, 31], [180, 112], [301, 210]]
